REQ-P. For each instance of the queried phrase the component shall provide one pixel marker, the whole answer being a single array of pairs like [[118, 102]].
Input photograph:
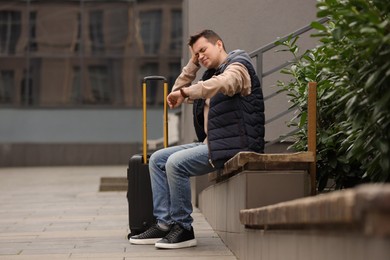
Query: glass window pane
[[76, 95], [27, 89], [96, 31], [32, 32], [149, 69], [177, 30], [116, 30], [174, 71], [151, 31], [6, 86], [101, 91], [10, 29]]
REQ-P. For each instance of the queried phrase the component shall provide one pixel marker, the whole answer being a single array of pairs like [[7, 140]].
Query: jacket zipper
[[208, 145], [211, 163], [210, 160]]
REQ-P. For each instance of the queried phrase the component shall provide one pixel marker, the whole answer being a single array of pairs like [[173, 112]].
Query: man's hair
[[210, 35]]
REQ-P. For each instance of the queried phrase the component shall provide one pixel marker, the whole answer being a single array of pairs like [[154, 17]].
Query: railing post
[[259, 67]]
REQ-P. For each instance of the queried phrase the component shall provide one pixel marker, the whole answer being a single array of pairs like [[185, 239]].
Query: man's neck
[[223, 58]]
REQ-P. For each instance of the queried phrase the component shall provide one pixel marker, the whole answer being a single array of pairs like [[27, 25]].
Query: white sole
[[189, 243], [150, 241]]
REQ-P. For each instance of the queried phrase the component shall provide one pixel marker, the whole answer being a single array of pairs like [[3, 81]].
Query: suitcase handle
[[165, 121], [155, 78]]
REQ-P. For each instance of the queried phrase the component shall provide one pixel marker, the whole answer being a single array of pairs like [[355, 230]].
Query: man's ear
[[219, 44]]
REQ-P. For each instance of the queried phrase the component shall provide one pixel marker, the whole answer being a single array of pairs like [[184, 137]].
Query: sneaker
[[150, 236], [178, 238]]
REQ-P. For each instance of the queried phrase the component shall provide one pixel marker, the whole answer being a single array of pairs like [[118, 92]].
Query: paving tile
[[58, 213], [36, 257]]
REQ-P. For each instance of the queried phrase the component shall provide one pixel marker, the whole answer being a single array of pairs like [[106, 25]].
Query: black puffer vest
[[234, 123]]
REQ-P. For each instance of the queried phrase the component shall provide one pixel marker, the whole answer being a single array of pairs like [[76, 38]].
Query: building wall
[[37, 137], [77, 125]]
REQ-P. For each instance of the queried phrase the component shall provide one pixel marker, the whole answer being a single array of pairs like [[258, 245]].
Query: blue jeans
[[170, 171]]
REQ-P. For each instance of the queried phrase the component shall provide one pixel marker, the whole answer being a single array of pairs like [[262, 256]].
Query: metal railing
[[258, 56]]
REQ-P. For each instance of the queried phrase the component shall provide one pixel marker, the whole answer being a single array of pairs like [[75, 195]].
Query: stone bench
[[251, 180], [365, 209], [352, 224]]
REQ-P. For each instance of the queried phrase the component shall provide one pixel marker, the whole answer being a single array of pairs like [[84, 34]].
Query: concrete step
[[113, 184]]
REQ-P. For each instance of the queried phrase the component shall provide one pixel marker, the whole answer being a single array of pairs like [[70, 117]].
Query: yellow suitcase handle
[[165, 122]]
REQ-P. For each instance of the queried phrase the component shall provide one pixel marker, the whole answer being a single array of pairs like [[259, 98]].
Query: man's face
[[208, 54]]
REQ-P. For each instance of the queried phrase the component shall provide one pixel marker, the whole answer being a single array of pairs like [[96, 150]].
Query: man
[[228, 113]]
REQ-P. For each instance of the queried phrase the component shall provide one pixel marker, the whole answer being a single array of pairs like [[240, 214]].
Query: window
[[98, 91], [26, 89], [32, 31], [174, 71], [6, 86], [149, 69], [77, 46], [100, 86], [176, 32], [96, 31], [116, 29], [151, 31], [10, 29], [76, 95]]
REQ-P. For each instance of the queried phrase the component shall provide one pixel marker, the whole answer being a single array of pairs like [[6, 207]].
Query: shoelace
[[150, 231]]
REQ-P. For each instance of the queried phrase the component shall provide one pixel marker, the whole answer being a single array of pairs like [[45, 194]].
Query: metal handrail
[[257, 55], [259, 52]]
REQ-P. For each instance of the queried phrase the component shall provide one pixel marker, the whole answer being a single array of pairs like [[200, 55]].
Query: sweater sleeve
[[235, 79], [187, 75]]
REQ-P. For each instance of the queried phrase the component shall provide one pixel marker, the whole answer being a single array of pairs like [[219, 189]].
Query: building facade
[[86, 53], [71, 71]]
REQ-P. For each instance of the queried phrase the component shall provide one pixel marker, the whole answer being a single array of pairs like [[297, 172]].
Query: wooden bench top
[[260, 161]]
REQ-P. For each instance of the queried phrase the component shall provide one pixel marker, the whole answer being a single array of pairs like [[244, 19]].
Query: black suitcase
[[139, 191]]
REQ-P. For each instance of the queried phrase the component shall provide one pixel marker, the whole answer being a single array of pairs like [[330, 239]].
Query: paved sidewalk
[[58, 213]]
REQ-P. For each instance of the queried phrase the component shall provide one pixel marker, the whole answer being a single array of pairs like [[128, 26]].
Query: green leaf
[[368, 30], [318, 26], [303, 119]]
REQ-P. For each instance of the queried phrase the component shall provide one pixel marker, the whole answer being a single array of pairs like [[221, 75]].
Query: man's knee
[[153, 158], [173, 164]]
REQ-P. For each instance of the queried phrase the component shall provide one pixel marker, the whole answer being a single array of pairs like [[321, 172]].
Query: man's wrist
[[196, 62], [183, 93]]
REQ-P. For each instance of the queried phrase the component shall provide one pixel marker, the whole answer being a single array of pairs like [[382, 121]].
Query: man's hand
[[175, 99], [194, 57]]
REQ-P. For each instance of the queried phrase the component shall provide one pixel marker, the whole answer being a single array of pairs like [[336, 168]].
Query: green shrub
[[352, 68]]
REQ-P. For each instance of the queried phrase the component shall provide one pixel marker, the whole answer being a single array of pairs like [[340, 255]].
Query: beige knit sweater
[[235, 79]]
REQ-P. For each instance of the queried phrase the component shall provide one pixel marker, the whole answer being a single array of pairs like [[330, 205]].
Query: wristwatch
[[183, 93]]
